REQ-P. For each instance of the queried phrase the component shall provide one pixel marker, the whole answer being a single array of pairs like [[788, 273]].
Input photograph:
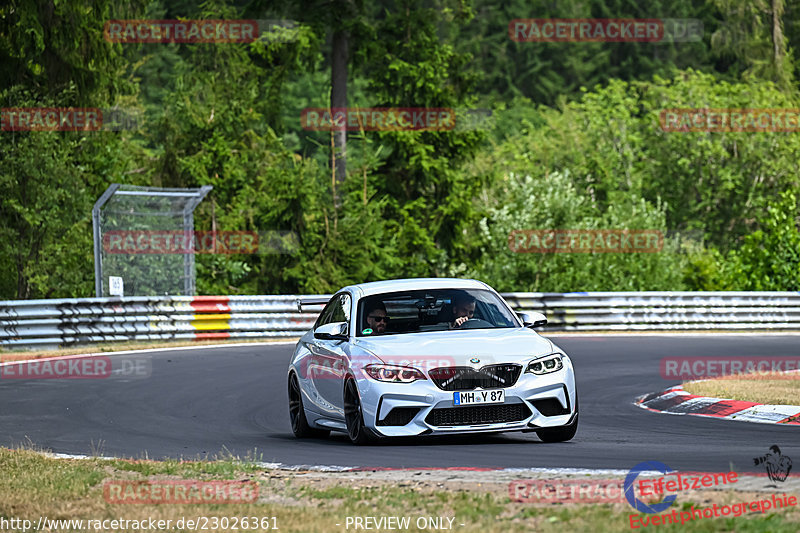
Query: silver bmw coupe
[[414, 357]]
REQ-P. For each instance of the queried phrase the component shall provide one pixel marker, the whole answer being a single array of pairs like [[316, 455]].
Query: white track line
[[336, 468], [144, 350]]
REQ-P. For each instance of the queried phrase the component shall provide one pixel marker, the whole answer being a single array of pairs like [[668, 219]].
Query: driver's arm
[[460, 320]]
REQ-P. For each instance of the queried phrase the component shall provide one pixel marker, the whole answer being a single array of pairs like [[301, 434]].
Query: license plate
[[479, 397]]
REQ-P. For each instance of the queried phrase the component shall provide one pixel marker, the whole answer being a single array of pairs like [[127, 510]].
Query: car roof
[[395, 285]]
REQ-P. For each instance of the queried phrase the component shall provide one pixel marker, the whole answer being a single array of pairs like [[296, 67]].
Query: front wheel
[[560, 434], [353, 415], [297, 414]]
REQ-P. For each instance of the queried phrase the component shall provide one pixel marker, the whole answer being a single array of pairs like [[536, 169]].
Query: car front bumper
[[532, 402]]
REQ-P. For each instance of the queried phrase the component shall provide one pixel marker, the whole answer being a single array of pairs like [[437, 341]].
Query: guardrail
[[50, 324], [598, 311], [56, 323]]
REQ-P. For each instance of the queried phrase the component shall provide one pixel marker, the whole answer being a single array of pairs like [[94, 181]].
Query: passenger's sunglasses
[[379, 318]]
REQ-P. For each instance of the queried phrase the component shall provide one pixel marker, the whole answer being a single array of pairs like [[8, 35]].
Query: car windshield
[[432, 310]]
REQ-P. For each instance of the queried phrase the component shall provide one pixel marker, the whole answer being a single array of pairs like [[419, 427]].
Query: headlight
[[546, 364], [394, 374]]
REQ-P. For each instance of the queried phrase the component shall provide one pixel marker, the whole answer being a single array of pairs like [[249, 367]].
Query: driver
[[463, 309], [377, 319]]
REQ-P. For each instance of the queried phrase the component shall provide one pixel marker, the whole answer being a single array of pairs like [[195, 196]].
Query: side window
[[341, 310], [346, 307], [337, 310], [325, 314]]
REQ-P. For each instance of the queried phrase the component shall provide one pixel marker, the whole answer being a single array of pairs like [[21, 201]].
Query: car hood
[[442, 348]]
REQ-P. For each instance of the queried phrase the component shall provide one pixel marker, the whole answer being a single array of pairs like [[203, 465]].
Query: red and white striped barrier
[[676, 401]]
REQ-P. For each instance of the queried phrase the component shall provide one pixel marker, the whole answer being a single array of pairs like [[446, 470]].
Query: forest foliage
[[574, 141]]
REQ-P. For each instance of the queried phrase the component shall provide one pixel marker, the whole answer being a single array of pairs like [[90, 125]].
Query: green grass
[[751, 388], [32, 485]]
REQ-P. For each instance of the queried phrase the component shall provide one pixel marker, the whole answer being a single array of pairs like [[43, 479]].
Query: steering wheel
[[474, 323]]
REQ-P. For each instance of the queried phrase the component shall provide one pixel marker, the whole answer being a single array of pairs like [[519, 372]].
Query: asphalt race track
[[207, 401]]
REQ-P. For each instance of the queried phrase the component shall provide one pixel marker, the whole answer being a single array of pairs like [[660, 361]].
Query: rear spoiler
[[311, 300]]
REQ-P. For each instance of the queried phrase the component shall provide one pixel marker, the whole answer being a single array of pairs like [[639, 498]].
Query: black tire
[[297, 414], [560, 434], [353, 415]]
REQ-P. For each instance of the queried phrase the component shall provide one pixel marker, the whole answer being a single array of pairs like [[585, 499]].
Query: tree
[[523, 202], [52, 54], [49, 47], [428, 200], [342, 21], [545, 72], [769, 258], [715, 186], [752, 34]]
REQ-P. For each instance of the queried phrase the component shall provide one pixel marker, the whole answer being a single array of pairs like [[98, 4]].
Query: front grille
[[550, 407], [460, 378], [482, 414], [399, 416]]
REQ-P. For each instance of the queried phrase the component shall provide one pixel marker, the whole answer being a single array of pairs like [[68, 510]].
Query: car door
[[328, 361]]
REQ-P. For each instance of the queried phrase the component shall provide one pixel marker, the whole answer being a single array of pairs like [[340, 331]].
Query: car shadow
[[340, 439]]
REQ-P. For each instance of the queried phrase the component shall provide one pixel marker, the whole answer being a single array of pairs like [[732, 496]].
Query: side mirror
[[532, 319], [335, 331]]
